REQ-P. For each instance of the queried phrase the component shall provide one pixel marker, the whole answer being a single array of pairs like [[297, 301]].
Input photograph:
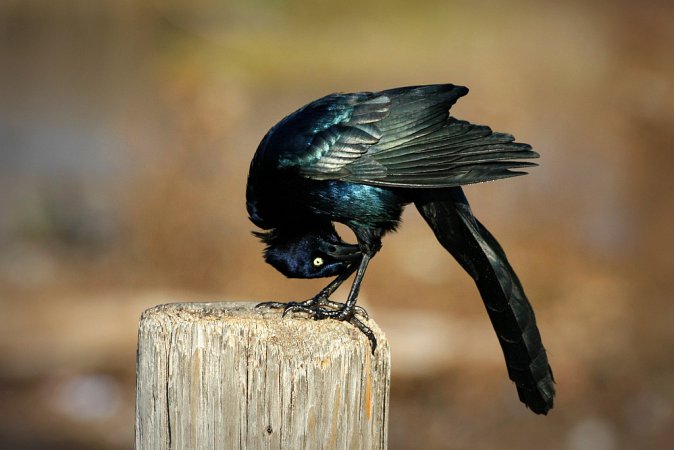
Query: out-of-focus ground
[[126, 129]]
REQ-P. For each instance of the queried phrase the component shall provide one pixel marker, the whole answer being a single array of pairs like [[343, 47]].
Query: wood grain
[[228, 375]]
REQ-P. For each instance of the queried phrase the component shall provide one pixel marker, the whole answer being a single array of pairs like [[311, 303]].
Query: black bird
[[358, 159]]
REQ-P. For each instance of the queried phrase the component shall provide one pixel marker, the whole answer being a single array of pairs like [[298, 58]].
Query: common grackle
[[358, 159]]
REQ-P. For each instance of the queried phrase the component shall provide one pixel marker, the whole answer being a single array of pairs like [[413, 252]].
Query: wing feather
[[401, 137]]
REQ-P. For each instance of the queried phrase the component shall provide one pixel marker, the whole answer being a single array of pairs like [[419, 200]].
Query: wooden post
[[228, 375]]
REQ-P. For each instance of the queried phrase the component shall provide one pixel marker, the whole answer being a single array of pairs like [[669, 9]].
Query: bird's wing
[[400, 138], [326, 135]]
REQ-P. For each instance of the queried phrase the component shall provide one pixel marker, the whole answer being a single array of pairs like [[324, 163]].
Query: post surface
[[228, 375]]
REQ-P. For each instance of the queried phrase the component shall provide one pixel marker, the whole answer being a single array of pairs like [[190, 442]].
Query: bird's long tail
[[449, 215]]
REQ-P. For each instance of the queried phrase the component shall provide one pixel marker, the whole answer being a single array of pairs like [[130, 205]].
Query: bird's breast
[[357, 204]]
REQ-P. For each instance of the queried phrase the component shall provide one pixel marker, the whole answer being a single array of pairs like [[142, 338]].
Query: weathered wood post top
[[229, 375]]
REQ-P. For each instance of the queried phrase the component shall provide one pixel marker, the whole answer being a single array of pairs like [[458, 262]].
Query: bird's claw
[[320, 308], [273, 305], [339, 307], [366, 331], [317, 308]]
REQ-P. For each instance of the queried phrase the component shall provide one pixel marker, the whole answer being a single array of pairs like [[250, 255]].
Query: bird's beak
[[345, 252]]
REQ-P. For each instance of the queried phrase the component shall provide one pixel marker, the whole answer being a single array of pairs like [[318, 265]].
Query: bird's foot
[[286, 306], [365, 330], [320, 308], [340, 310]]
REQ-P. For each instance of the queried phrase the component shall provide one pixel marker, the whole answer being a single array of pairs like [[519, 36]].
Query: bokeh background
[[126, 129]]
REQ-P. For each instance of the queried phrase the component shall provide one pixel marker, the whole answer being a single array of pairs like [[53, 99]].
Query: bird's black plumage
[[359, 159]]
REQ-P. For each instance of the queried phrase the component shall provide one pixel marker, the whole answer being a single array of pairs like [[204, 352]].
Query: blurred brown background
[[126, 129]]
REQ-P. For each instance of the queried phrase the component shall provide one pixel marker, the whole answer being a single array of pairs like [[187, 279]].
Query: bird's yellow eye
[[318, 261]]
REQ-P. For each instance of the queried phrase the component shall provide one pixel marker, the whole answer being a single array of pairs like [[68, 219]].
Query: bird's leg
[[369, 242], [316, 307], [348, 310], [322, 298], [313, 305]]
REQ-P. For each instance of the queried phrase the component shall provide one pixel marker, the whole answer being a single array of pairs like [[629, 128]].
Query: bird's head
[[308, 254]]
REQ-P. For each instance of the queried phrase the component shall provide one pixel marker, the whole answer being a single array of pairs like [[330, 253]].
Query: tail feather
[[449, 215]]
